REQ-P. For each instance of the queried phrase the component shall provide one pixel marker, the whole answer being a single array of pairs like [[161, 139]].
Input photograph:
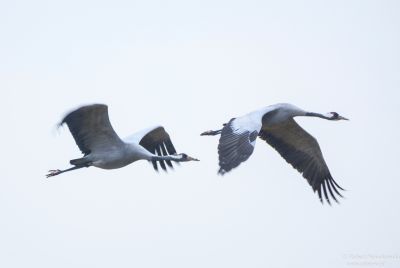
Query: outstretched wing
[[302, 151], [236, 144], [157, 141], [91, 128]]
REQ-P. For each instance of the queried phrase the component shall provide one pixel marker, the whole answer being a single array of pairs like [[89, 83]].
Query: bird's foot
[[53, 172]]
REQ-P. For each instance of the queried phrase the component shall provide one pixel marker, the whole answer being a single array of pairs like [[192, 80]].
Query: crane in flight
[[103, 148], [275, 125]]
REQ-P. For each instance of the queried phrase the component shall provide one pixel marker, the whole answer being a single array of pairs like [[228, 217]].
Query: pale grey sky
[[191, 66]]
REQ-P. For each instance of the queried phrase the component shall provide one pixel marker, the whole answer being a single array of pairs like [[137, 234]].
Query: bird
[[275, 125], [101, 146]]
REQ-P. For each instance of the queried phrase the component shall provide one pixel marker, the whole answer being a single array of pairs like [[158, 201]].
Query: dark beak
[[342, 118], [192, 159]]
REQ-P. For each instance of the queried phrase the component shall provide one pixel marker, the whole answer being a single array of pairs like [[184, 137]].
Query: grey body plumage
[[103, 148], [275, 125]]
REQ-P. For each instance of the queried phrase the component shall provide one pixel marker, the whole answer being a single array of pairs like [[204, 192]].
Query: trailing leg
[[211, 132], [55, 172]]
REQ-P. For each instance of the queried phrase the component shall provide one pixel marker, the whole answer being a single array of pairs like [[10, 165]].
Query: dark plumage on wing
[[275, 125], [234, 148], [91, 128], [158, 142], [92, 131]]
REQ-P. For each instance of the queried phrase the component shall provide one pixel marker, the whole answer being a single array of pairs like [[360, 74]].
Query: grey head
[[185, 158], [335, 116]]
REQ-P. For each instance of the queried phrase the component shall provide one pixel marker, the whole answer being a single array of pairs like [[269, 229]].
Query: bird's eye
[[334, 114]]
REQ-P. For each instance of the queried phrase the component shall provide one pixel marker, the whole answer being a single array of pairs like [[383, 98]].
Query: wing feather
[[302, 151], [235, 146], [157, 141], [91, 128]]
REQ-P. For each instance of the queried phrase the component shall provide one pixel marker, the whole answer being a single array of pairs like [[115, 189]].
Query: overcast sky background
[[191, 66]]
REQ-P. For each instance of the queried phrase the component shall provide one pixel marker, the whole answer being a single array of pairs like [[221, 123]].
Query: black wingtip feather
[[162, 164], [170, 147], [164, 151], [155, 165], [330, 191], [320, 195], [336, 184], [326, 193], [158, 142], [305, 164], [334, 187]]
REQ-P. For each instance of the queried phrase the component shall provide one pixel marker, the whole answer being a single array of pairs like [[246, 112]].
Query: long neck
[[276, 113], [318, 115], [176, 158], [281, 110], [137, 152]]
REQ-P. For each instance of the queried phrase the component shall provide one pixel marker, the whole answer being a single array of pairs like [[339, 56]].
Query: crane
[[275, 125], [103, 148]]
